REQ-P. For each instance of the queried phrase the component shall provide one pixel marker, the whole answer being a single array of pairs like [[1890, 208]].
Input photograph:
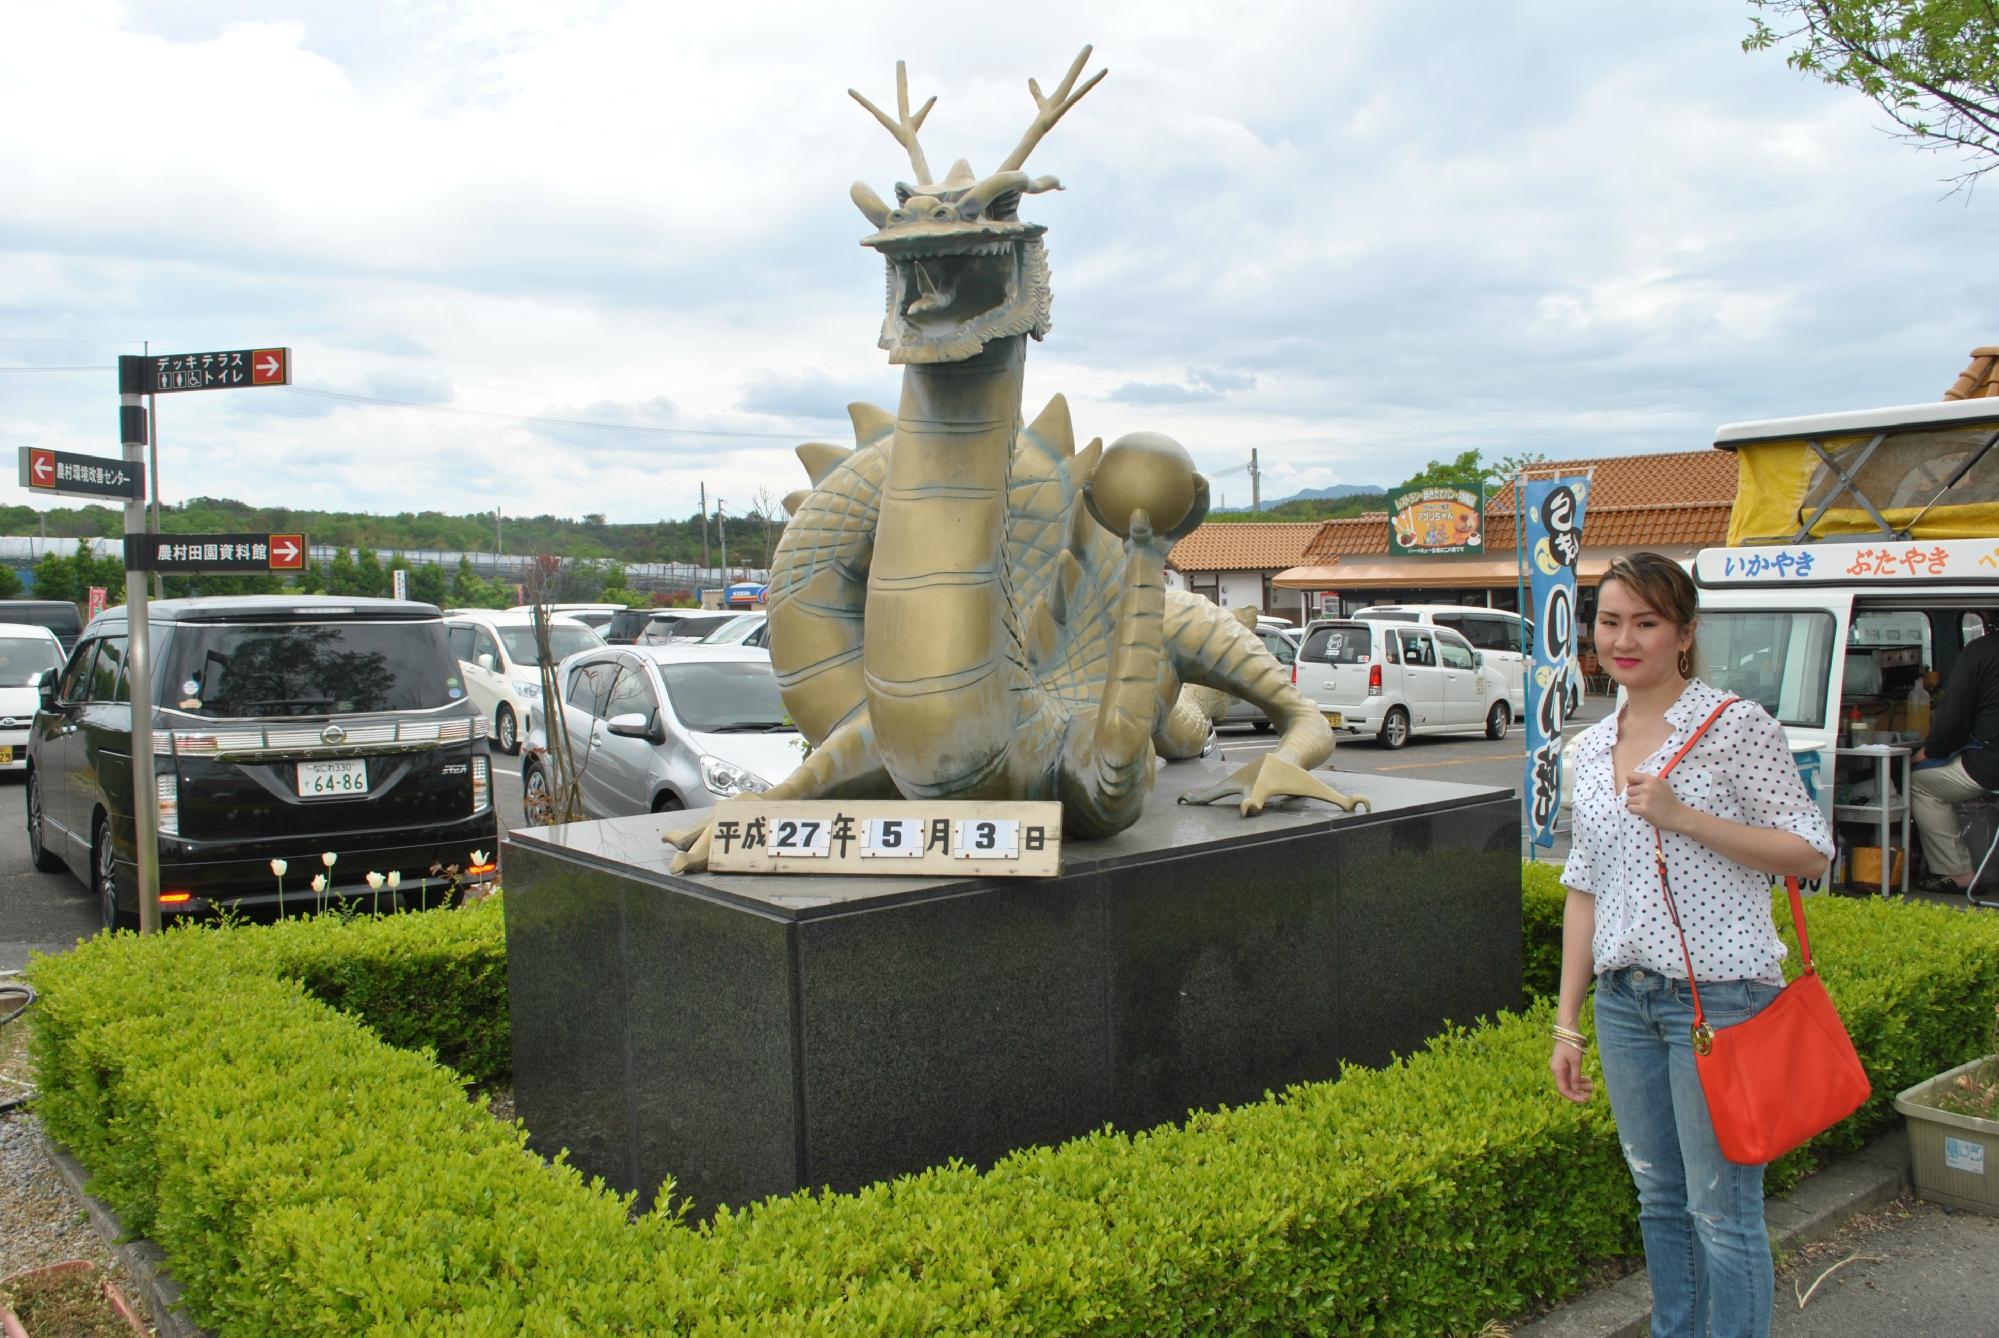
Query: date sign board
[[892, 837], [222, 370], [241, 553], [73, 475]]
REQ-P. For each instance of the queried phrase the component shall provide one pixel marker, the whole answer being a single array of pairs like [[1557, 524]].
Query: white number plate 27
[[330, 780]]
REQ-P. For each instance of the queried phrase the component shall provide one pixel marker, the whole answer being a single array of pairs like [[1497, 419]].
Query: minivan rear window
[[1337, 645], [233, 670]]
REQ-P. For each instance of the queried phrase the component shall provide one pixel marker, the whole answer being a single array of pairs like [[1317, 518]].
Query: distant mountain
[[1331, 494]]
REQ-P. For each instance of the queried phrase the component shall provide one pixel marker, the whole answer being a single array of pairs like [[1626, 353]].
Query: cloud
[[812, 394]]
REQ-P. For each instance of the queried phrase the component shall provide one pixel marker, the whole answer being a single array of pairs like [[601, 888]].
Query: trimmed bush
[[305, 1177], [1542, 898]]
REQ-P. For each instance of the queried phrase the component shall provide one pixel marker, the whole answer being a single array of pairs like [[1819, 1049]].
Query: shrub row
[[305, 1177]]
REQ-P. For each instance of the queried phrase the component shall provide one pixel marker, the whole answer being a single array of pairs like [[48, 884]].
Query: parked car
[[1393, 680], [656, 728], [1242, 712], [670, 625], [58, 615], [596, 617], [283, 726], [745, 629], [625, 625], [28, 653], [496, 652], [1496, 633]]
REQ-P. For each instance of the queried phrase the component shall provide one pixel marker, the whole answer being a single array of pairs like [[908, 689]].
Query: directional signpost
[[241, 554], [69, 475], [226, 370], [163, 374]]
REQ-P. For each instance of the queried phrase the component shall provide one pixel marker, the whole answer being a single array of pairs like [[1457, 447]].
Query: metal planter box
[[1954, 1158]]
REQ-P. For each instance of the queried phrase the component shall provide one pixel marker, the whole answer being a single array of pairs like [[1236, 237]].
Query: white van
[[1393, 681], [496, 655], [1497, 633]]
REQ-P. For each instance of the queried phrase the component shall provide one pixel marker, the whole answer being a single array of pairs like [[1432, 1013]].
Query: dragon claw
[[1271, 777], [693, 845]]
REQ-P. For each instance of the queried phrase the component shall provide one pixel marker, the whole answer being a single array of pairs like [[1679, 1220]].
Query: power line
[[58, 369], [551, 422]]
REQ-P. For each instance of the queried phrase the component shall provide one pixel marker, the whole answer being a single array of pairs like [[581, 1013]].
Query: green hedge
[[305, 1177]]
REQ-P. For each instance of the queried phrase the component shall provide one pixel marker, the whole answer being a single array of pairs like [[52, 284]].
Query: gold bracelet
[[1570, 1040], [1572, 1036]]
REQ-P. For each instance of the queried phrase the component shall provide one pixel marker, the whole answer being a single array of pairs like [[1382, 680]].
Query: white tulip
[[375, 880], [395, 879], [478, 857], [319, 882], [278, 867], [327, 858]]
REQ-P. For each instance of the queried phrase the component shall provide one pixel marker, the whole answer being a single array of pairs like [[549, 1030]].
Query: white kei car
[[1393, 680], [27, 652], [496, 654]]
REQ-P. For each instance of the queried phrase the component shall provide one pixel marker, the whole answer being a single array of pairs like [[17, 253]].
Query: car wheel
[[104, 878], [535, 800], [1498, 720], [43, 857], [667, 803], [507, 730], [1394, 728]]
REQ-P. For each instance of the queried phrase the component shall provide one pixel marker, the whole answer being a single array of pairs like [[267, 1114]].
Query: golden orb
[[1143, 471]]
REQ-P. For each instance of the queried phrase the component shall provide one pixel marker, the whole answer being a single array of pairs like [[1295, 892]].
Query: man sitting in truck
[[1958, 761]]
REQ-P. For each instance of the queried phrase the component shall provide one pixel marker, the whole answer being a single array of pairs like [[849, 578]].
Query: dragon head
[[963, 269]]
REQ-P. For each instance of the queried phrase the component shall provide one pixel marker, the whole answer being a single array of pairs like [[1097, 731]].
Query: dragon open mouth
[[953, 287]]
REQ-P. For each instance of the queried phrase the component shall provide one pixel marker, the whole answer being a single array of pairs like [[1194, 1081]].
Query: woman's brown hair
[[1662, 585]]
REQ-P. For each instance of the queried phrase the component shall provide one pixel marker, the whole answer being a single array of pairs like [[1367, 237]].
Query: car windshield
[[564, 639], [22, 658], [718, 697], [232, 670], [1779, 659]]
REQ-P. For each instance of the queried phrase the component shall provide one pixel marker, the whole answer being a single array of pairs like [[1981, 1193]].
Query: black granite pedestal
[[749, 1035]]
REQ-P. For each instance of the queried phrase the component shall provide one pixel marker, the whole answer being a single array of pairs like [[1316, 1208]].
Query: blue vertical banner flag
[[1551, 542]]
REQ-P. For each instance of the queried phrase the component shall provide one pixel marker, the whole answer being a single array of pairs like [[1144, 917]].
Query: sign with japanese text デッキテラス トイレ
[[1436, 522]]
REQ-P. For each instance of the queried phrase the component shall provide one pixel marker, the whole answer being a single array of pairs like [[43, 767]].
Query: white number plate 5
[[328, 780]]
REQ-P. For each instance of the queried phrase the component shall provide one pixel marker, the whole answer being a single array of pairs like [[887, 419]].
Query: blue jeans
[[1707, 1250]]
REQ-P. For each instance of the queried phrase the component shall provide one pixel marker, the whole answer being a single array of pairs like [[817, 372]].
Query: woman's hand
[[1653, 800], [1567, 1066]]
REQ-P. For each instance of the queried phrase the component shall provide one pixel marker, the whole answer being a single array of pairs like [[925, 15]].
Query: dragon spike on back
[[821, 458]]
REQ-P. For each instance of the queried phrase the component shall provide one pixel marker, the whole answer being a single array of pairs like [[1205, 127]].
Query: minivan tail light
[[1374, 680], [193, 745], [1294, 672], [481, 785], [169, 787]]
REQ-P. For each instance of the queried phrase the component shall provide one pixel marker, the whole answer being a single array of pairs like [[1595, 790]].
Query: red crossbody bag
[[1785, 1075]]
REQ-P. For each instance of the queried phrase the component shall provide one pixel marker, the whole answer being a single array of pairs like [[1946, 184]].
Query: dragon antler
[[1050, 109], [905, 126]]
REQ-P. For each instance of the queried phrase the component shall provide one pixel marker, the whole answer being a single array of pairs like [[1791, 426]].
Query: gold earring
[[1686, 665]]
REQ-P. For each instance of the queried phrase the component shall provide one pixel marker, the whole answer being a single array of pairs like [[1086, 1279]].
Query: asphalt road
[[48, 912]]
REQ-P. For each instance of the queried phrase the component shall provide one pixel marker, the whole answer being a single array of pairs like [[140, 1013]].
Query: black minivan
[[284, 727]]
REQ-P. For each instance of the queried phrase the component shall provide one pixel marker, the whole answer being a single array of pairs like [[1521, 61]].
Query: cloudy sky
[[573, 256]]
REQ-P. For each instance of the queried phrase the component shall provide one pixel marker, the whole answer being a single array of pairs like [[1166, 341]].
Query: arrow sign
[[227, 369], [70, 475], [240, 553]]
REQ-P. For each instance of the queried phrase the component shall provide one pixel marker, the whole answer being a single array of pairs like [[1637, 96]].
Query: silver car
[[657, 728]]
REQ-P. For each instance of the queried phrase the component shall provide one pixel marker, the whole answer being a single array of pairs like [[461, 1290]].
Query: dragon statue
[[963, 607]]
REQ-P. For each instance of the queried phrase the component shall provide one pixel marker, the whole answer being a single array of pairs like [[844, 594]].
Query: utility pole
[[722, 529], [704, 530], [1255, 483], [496, 543]]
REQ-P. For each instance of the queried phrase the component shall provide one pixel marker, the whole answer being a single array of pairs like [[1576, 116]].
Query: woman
[[1732, 814]]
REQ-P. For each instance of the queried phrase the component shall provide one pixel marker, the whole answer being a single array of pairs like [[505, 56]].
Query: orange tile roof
[[1681, 497], [1979, 380], [1249, 546]]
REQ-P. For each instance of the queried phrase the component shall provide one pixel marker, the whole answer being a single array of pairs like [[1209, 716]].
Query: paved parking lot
[[50, 911]]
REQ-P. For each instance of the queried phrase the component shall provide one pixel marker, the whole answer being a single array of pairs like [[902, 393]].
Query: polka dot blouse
[[1740, 770]]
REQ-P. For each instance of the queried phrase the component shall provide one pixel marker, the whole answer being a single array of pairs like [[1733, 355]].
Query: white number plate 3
[[332, 780]]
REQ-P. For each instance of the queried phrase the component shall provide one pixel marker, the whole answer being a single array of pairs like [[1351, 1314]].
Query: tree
[[1502, 470], [1464, 472], [10, 583], [427, 584], [1931, 65]]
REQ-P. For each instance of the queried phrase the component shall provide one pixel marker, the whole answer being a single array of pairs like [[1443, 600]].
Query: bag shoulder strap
[[1665, 886]]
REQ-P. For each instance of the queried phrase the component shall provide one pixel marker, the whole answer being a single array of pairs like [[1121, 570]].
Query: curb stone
[[1817, 1207], [144, 1261]]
